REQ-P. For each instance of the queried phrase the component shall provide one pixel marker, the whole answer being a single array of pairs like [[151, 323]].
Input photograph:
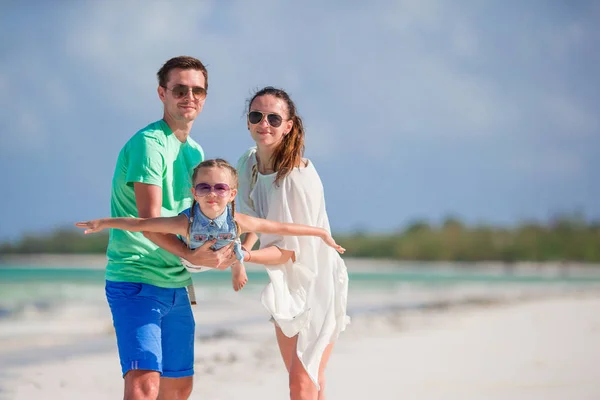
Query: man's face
[[184, 94]]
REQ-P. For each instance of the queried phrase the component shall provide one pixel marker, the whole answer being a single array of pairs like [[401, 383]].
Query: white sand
[[546, 348]]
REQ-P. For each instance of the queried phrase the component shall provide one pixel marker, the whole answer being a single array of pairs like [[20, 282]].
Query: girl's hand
[[330, 242], [92, 226]]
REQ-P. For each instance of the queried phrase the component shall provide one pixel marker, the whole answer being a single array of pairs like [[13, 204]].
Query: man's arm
[[148, 199]]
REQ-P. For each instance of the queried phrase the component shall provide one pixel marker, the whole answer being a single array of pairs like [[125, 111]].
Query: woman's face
[[261, 127]]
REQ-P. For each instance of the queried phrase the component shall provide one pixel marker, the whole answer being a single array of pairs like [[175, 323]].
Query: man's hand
[[205, 256]]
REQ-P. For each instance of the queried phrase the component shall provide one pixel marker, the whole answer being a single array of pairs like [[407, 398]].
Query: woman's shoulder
[[247, 158], [305, 176], [306, 169]]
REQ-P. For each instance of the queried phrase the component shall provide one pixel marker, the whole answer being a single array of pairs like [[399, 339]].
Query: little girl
[[212, 217]]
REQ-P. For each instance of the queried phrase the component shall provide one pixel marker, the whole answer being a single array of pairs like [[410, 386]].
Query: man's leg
[[178, 332], [137, 312], [141, 385], [176, 388]]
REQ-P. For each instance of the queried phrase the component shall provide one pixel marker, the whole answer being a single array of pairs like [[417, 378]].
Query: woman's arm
[[175, 225], [251, 224], [249, 240], [271, 255]]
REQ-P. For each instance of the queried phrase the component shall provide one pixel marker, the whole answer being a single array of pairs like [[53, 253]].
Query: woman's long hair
[[290, 151]]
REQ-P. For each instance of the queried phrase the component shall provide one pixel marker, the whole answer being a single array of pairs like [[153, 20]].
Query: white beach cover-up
[[306, 297]]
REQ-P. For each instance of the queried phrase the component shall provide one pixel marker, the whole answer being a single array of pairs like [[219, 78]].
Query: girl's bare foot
[[238, 276]]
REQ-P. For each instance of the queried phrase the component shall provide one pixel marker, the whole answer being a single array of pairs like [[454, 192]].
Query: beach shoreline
[[422, 345], [98, 261], [57, 340]]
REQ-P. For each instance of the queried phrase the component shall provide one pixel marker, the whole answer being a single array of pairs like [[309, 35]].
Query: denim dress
[[222, 228]]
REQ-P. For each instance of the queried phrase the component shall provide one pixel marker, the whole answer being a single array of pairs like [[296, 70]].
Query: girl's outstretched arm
[[176, 225], [252, 224]]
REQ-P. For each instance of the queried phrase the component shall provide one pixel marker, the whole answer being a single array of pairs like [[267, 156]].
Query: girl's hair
[[215, 163], [291, 149]]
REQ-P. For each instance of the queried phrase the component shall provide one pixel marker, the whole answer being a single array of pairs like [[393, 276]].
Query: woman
[[308, 287]]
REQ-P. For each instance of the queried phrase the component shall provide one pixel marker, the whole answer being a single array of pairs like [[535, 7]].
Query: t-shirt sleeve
[[244, 167], [146, 161]]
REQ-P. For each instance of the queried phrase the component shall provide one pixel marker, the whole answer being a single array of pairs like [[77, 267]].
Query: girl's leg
[[301, 386], [239, 278]]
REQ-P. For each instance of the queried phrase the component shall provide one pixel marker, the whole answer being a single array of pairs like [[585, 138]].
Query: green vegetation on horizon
[[565, 238]]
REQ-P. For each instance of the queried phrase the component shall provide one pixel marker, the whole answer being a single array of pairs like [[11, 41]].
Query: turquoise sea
[[67, 303], [31, 287]]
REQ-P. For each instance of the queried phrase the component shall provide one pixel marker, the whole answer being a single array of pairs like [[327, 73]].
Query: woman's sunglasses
[[255, 117], [220, 189], [181, 91]]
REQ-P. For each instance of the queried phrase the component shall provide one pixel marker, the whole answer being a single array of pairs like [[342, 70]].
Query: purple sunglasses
[[203, 188]]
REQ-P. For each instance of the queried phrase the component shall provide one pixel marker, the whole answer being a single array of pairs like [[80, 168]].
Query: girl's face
[[213, 190], [261, 126]]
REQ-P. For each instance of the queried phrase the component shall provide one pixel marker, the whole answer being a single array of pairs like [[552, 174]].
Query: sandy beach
[[540, 346]]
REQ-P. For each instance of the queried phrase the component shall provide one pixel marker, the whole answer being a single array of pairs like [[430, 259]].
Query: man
[[145, 280]]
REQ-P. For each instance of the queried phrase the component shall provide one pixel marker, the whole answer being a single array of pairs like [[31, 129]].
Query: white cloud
[[320, 140], [507, 88], [410, 65], [124, 44], [26, 134], [31, 104], [554, 164], [464, 41], [570, 118], [408, 16]]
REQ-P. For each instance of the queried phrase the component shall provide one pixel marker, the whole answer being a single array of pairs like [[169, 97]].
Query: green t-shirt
[[152, 156]]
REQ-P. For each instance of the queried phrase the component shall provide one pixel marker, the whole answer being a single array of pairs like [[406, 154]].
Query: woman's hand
[[95, 225], [328, 239]]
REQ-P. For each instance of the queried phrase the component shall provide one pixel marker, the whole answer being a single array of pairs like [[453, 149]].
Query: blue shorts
[[155, 328]]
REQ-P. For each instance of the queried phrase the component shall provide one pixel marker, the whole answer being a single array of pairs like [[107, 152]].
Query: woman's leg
[[324, 360], [287, 347], [301, 386]]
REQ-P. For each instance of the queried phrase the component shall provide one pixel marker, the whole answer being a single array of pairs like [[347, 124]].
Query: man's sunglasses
[[220, 189], [181, 91], [255, 117]]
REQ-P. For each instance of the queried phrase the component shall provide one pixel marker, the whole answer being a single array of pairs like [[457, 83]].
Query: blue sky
[[486, 110]]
